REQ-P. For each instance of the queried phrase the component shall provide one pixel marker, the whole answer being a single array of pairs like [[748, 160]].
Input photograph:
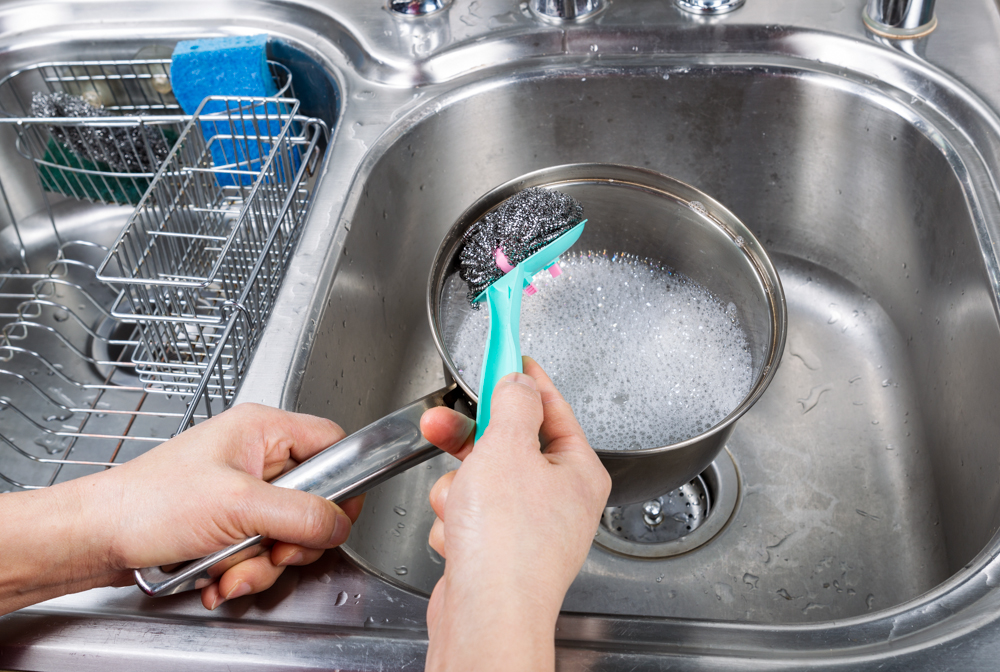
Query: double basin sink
[[862, 492]]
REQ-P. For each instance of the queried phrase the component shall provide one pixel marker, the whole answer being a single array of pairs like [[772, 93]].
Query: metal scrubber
[[133, 149], [521, 225]]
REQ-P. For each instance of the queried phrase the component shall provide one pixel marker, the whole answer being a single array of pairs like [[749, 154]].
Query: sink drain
[[678, 521]]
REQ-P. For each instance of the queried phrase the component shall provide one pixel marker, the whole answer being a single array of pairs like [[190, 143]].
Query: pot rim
[[651, 181]]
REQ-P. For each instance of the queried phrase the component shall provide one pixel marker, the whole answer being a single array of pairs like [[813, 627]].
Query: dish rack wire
[[154, 332]]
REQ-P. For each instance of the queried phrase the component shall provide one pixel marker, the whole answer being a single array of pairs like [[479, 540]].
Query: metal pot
[[650, 215], [629, 210]]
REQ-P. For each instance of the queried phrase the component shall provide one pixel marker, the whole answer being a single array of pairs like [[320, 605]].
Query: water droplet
[[698, 206], [594, 47], [60, 315], [750, 580], [325, 578], [784, 593], [886, 382], [810, 402], [402, 571], [659, 579], [341, 599], [399, 510], [869, 600], [53, 444]]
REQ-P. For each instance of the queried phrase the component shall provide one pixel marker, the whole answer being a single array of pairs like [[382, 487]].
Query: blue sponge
[[226, 66]]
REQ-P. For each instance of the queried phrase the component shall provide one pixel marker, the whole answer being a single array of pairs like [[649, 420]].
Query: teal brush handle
[[503, 343]]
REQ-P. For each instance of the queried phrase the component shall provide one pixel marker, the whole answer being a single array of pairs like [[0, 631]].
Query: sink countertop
[[392, 71]]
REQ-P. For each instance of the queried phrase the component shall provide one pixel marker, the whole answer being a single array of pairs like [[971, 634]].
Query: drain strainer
[[678, 521]]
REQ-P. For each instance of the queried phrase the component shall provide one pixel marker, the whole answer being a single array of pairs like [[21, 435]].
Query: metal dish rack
[[201, 257], [108, 350]]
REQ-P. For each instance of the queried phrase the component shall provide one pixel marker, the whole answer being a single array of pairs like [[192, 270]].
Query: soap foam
[[645, 356]]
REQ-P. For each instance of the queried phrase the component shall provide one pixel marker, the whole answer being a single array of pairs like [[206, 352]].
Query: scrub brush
[[500, 254]]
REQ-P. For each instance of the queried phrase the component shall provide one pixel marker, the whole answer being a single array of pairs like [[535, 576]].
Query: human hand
[[514, 523], [191, 496]]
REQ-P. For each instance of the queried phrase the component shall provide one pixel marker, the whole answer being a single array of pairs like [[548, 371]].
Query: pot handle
[[347, 468]]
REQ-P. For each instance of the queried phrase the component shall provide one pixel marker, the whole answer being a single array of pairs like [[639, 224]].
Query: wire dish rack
[[108, 349], [202, 255]]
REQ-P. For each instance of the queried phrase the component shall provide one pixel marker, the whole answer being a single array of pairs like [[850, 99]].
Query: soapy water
[[646, 357]]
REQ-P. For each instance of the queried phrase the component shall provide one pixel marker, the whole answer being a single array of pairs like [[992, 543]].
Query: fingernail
[[216, 602], [520, 379], [239, 590], [470, 425], [341, 529], [291, 559]]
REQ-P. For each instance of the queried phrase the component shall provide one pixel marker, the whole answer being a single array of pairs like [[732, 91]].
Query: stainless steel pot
[[629, 210], [652, 216]]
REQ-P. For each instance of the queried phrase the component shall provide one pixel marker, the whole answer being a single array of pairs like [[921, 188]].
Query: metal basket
[[104, 159], [94, 373], [212, 235]]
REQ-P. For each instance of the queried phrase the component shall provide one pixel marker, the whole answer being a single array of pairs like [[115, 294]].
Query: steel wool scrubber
[[501, 253]]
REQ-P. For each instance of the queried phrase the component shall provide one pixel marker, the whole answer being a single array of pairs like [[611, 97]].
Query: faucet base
[[892, 33]]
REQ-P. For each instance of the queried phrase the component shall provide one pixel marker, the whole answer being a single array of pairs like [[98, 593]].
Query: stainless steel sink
[[844, 464], [866, 493]]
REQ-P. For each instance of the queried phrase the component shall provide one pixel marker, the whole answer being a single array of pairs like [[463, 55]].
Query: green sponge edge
[[121, 190]]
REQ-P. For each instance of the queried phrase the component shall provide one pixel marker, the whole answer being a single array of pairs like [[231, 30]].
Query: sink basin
[[868, 451]]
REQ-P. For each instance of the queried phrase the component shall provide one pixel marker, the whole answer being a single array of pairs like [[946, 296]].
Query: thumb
[[515, 412], [296, 517]]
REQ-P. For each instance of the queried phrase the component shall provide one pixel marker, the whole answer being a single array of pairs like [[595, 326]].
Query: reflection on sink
[[860, 465]]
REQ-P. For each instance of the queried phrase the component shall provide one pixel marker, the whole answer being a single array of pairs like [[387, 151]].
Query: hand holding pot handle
[[345, 469]]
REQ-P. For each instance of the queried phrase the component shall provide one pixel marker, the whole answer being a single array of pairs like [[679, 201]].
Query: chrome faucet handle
[[417, 7], [900, 19], [567, 10], [709, 6]]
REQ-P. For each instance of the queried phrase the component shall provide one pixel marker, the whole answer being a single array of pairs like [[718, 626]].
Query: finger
[[352, 507], [436, 537], [560, 429], [284, 435], [285, 555], [291, 516], [449, 430], [435, 606], [563, 437], [439, 493], [210, 597], [250, 576], [515, 414]]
